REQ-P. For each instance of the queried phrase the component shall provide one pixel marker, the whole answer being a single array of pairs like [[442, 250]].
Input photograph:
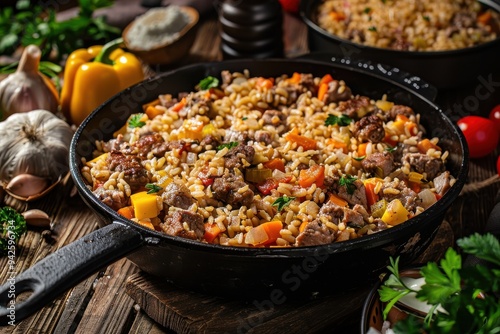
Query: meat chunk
[[237, 155], [174, 225], [337, 92], [228, 190], [422, 163], [177, 195], [151, 143], [399, 190], [315, 233], [210, 142], [399, 109], [336, 214], [370, 128], [113, 198], [380, 164], [355, 107], [262, 136], [442, 183], [463, 19], [274, 117], [354, 193], [133, 171]]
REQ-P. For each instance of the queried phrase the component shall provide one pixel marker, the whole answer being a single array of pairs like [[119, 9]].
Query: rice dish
[[289, 161]]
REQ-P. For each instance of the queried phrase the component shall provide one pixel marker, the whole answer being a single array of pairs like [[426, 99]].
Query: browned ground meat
[[234, 158], [405, 195], [209, 142], [399, 109], [173, 224], [379, 164], [370, 128], [358, 195], [134, 173], [274, 117], [262, 136], [422, 163], [115, 199], [354, 106], [442, 183], [336, 214], [337, 92], [315, 233], [178, 195], [226, 188], [151, 143]]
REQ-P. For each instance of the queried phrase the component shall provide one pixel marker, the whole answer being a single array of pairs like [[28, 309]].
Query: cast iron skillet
[[443, 69], [264, 274]]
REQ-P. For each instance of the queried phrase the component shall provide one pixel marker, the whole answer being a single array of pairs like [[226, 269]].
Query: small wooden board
[[188, 312]]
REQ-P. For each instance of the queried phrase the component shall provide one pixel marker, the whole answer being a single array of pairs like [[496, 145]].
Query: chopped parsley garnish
[[229, 145], [390, 149], [244, 118], [372, 28], [12, 227], [153, 188], [208, 82], [283, 201], [348, 183], [360, 158], [135, 121], [427, 18], [341, 120], [367, 10]]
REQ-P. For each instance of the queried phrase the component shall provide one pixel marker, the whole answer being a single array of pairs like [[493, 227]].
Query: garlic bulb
[[27, 89], [34, 151]]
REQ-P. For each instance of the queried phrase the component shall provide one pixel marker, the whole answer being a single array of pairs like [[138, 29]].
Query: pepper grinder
[[251, 29]]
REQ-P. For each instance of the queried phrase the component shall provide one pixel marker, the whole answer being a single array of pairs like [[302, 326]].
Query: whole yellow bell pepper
[[93, 75]]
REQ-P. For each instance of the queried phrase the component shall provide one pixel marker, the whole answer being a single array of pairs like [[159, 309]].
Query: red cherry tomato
[[495, 116], [480, 133], [291, 6]]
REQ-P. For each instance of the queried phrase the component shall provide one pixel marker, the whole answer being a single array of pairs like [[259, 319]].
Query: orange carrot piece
[[272, 229], [295, 78], [371, 196], [152, 112], [127, 212], [327, 78], [179, 105], [323, 89], [314, 174], [302, 226], [150, 104], [337, 200], [337, 16], [305, 142], [337, 144], [265, 83], [362, 149], [211, 232], [484, 18], [425, 144], [276, 163]]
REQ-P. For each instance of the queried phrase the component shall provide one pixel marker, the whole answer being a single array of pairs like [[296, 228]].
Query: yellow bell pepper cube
[[395, 213], [144, 205], [93, 75]]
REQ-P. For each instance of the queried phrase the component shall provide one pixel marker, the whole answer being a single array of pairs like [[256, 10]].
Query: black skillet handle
[[402, 78], [65, 268]]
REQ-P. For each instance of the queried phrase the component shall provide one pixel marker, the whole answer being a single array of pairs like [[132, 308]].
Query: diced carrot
[[323, 89], [415, 186], [337, 200], [272, 229], [327, 78], [337, 144], [425, 144], [146, 223], [337, 16], [271, 183], [305, 142], [302, 226], [179, 105], [412, 128], [313, 174], [484, 18], [211, 231], [150, 104], [276, 163], [362, 149], [127, 212], [295, 78], [389, 140], [401, 118], [264, 234], [265, 83], [152, 112], [371, 196]]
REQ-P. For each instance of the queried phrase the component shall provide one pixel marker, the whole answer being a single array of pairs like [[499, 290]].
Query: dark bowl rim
[[365, 242], [307, 8]]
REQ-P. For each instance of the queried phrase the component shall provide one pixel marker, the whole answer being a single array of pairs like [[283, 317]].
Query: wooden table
[[100, 304]]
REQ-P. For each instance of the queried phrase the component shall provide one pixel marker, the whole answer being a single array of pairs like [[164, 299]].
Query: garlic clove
[[36, 218], [26, 185], [34, 196]]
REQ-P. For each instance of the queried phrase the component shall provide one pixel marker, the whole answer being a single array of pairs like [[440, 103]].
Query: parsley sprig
[[229, 145], [348, 182], [283, 201], [341, 120], [135, 121], [153, 188], [462, 299], [12, 227], [208, 82]]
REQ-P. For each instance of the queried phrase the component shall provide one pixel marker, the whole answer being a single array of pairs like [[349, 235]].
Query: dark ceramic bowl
[[443, 69]]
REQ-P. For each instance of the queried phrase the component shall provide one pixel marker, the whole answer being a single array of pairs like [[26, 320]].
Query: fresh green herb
[[372, 28], [135, 121], [367, 10], [462, 299], [427, 18], [12, 227], [153, 188], [229, 145], [390, 149], [244, 118], [208, 82], [33, 23], [360, 158], [283, 201], [348, 183], [341, 120]]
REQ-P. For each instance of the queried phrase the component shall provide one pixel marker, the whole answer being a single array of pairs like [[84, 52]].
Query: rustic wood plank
[[145, 325], [110, 310]]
